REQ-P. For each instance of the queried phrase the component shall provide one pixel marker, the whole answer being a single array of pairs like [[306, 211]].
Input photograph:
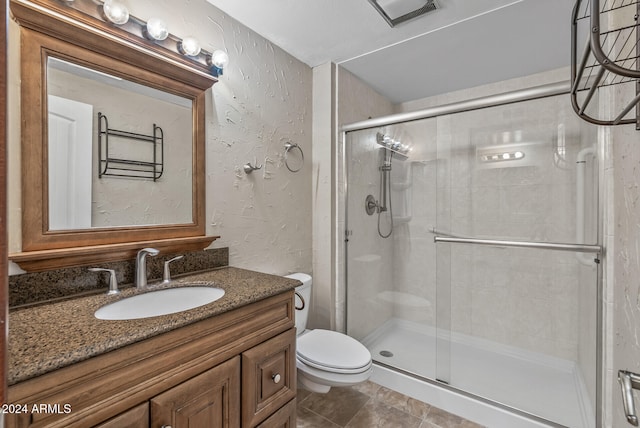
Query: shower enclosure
[[472, 259]]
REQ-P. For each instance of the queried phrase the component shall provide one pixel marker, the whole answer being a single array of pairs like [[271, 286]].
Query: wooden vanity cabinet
[[233, 370]]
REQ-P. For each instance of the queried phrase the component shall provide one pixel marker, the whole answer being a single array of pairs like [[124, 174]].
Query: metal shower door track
[[533, 93]]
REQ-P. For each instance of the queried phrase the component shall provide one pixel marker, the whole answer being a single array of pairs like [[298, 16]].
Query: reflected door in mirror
[[70, 129]]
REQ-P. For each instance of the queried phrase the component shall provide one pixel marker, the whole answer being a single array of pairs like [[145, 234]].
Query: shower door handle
[[628, 382]]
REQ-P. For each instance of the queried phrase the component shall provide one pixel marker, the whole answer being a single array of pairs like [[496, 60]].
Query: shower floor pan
[[548, 387]]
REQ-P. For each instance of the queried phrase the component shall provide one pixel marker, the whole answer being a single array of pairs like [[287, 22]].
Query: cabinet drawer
[[268, 377], [138, 417], [283, 418]]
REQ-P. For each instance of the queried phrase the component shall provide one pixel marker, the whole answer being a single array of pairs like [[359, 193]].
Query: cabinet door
[[138, 417], [211, 399], [283, 418], [268, 377]]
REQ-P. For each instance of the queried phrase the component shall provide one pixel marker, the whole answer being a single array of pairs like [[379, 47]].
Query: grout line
[[322, 417], [359, 410]]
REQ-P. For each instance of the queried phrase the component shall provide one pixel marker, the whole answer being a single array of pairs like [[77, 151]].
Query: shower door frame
[[522, 95]]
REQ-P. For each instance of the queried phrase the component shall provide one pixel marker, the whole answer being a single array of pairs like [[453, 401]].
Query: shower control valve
[[371, 206]]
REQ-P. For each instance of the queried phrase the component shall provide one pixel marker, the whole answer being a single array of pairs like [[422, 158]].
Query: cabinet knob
[[276, 378], [165, 426]]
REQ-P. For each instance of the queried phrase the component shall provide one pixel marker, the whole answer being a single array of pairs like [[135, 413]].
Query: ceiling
[[465, 43]]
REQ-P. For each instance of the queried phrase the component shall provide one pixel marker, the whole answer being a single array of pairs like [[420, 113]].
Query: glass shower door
[[391, 275], [523, 319]]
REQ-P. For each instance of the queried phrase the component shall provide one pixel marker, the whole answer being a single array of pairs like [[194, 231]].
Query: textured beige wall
[[262, 101]]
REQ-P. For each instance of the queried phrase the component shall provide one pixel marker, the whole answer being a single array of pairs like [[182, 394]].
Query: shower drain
[[386, 353]]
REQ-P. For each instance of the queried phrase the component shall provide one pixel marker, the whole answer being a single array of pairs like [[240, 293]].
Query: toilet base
[[319, 381], [309, 385]]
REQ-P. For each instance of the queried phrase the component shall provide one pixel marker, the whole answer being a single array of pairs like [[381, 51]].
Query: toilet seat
[[333, 352]]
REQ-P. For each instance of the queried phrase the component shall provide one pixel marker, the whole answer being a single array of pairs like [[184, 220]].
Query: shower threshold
[[525, 386]]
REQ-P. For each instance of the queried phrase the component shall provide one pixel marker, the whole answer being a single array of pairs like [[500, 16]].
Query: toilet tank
[[302, 309]]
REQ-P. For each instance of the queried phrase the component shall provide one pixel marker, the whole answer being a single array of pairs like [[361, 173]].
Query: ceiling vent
[[398, 11]]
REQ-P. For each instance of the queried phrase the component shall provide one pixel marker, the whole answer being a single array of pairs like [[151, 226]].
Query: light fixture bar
[[135, 30]]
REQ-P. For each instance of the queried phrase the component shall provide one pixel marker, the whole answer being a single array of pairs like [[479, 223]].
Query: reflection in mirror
[[79, 196]]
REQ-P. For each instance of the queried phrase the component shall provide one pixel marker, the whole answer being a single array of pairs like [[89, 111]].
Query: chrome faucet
[[166, 277], [141, 266], [113, 281]]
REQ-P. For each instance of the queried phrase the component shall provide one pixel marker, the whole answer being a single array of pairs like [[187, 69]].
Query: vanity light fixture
[[115, 12], [156, 29], [189, 46], [153, 34], [218, 60]]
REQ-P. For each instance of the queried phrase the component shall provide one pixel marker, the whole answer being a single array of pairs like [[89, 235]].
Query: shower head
[[402, 150]]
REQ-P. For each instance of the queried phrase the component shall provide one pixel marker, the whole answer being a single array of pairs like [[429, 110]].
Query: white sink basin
[[161, 302]]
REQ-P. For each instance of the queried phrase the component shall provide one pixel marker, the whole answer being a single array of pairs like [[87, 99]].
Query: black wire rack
[[608, 59], [150, 168]]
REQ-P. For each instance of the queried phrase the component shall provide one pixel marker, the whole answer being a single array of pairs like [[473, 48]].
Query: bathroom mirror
[[106, 168], [63, 60]]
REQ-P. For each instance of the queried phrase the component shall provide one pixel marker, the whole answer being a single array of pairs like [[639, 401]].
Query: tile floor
[[370, 405]]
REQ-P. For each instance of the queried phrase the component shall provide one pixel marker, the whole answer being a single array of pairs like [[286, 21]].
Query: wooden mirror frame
[[100, 47]]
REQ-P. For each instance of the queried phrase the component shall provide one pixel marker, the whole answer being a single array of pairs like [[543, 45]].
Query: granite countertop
[[51, 336]]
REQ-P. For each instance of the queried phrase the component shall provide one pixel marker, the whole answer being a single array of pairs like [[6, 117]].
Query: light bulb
[[115, 12], [219, 59], [157, 29], [189, 46]]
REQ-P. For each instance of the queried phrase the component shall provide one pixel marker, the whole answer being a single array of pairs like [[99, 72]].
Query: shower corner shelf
[[150, 167], [610, 57], [402, 219]]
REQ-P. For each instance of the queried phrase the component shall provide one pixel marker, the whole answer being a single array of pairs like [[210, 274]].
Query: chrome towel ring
[[287, 148]]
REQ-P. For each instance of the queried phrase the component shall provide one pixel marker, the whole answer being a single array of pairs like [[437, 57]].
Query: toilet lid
[[330, 350]]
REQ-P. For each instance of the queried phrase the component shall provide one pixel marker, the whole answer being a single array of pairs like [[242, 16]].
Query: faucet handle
[[167, 274], [113, 281]]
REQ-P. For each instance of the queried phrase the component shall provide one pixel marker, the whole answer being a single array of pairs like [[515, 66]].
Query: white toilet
[[325, 358]]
